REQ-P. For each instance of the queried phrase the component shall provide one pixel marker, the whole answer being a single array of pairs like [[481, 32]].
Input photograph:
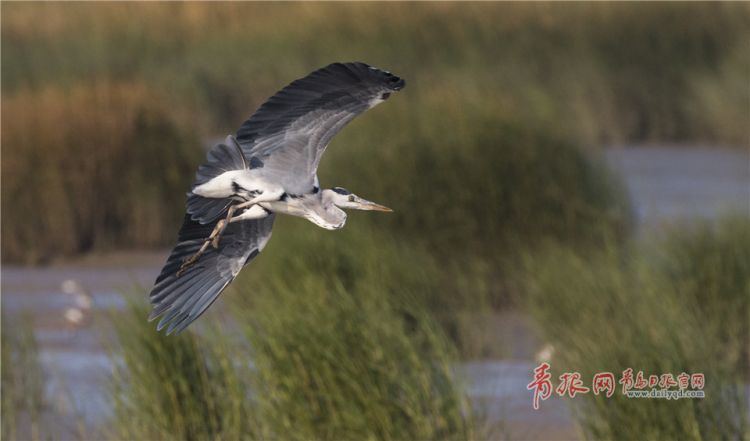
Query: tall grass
[[93, 166], [23, 381], [187, 387], [339, 345], [710, 267], [344, 343], [685, 311], [604, 72], [480, 187], [340, 364], [722, 103]]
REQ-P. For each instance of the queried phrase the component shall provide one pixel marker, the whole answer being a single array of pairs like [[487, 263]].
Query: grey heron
[[270, 167]]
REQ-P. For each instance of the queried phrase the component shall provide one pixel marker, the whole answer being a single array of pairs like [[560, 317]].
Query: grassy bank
[[106, 106]]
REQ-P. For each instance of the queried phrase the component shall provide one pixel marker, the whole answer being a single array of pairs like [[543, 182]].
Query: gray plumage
[[277, 150], [290, 132]]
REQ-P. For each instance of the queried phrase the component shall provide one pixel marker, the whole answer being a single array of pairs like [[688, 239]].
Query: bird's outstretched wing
[[181, 299], [290, 132]]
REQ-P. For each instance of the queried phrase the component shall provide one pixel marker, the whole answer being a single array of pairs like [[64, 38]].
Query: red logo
[[571, 383], [541, 385], [626, 380], [683, 379], [640, 381], [697, 381], [604, 381], [667, 381]]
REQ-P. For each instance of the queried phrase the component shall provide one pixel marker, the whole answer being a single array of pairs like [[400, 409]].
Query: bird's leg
[[222, 225], [213, 238], [215, 235]]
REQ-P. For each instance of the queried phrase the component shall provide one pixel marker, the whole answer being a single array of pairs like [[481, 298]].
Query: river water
[[667, 185]]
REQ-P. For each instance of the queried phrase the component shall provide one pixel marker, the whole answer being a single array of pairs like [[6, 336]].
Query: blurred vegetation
[[22, 381], [341, 344], [342, 357], [604, 70], [186, 387], [683, 308], [91, 166], [482, 188], [127, 93], [346, 348]]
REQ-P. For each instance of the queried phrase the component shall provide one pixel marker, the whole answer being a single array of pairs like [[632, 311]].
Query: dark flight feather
[[181, 299]]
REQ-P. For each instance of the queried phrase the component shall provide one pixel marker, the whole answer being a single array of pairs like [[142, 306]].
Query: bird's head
[[344, 198]]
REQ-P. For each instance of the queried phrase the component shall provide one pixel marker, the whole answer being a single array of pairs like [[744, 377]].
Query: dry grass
[[93, 166], [602, 72]]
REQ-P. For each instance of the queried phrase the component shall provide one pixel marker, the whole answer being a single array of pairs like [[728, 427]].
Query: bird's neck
[[324, 213], [313, 207]]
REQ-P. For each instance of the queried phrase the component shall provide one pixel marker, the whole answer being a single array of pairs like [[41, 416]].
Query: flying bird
[[269, 167]]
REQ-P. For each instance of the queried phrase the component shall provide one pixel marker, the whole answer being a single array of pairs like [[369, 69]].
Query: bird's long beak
[[364, 204]]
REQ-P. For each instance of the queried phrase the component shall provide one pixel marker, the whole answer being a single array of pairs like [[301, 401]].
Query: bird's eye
[[351, 198]]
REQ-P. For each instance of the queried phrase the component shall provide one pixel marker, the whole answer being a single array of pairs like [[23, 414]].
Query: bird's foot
[[187, 263]]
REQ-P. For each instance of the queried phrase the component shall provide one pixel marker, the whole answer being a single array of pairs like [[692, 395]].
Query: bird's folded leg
[[215, 236], [213, 239], [222, 225]]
